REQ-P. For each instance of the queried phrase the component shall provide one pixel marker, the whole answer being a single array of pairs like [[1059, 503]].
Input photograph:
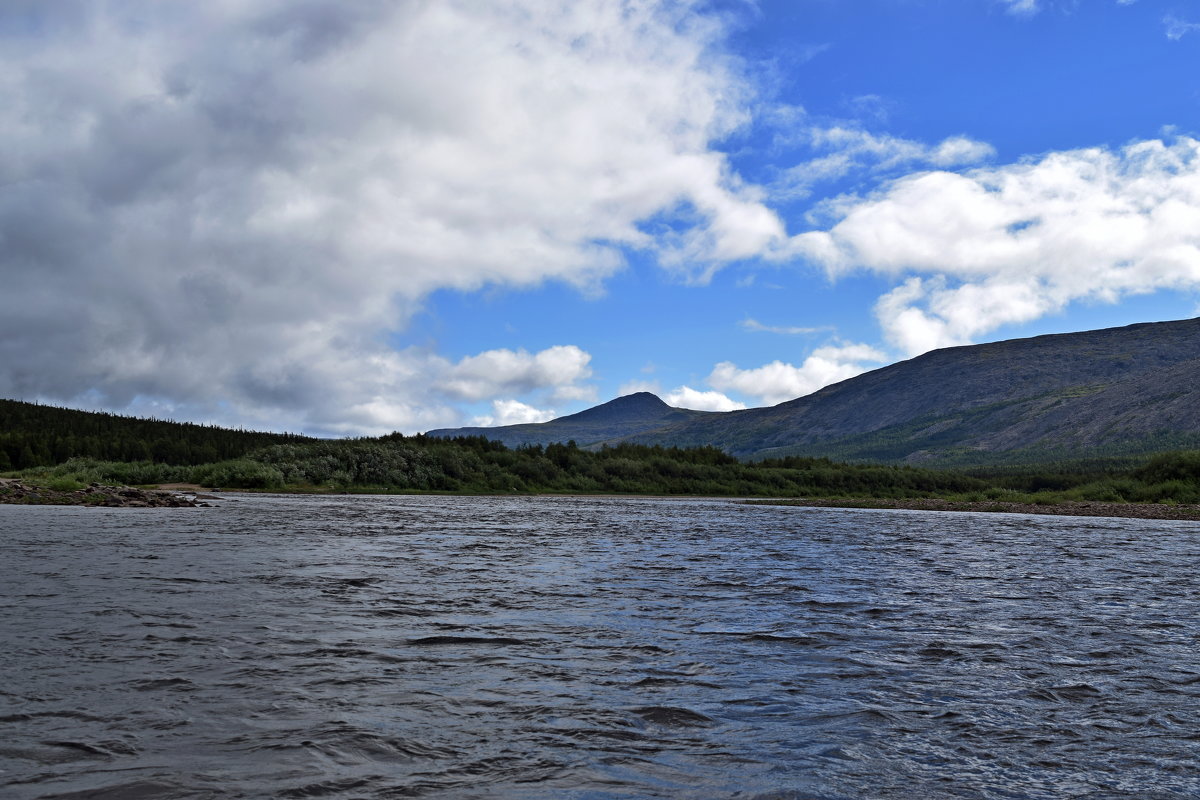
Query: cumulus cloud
[[1009, 244], [362, 397], [778, 382], [515, 372], [227, 208], [697, 400], [512, 412], [684, 396]]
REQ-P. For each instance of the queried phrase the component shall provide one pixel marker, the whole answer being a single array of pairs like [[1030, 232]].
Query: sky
[[349, 219]]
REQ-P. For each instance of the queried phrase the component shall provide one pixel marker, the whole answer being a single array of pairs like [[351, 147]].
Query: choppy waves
[[594, 648]]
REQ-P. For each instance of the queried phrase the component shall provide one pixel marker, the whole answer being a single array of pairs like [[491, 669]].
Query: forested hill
[[1114, 392], [33, 435]]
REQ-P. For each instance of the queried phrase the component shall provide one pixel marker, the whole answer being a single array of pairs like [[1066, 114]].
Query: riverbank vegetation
[[70, 449], [475, 465]]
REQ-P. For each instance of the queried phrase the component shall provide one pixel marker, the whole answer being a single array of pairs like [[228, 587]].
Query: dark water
[[594, 648]]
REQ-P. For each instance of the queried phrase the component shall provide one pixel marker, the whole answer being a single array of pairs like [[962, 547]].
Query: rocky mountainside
[[1116, 391], [612, 421]]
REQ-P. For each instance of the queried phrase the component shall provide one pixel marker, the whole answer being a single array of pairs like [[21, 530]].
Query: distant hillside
[[33, 435], [1115, 391], [616, 419]]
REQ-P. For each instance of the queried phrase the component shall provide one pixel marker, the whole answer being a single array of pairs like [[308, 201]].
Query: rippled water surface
[[367, 647]]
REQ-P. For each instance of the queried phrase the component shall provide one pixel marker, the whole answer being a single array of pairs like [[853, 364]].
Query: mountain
[[1123, 390], [1118, 391], [612, 421]]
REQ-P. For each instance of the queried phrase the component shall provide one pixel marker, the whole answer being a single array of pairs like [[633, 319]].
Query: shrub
[[238, 474]]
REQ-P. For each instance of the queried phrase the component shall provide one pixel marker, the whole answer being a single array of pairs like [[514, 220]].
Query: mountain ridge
[[1126, 389]]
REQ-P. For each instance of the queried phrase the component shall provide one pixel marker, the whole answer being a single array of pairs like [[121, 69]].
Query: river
[[586, 648]]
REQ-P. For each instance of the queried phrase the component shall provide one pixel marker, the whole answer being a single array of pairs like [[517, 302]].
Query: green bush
[[1182, 466], [238, 474]]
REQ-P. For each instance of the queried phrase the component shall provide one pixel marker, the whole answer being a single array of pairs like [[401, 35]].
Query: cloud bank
[[225, 208], [699, 400], [990, 247], [227, 211], [512, 412], [778, 382]]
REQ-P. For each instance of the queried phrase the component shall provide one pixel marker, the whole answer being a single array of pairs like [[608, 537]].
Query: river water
[[392, 647]]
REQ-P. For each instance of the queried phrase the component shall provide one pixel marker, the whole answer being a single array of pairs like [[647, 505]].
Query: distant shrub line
[[476, 465]]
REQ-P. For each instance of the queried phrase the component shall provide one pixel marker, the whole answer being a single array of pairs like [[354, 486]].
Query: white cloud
[[687, 397], [1178, 28], [226, 208], [1010, 244], [958, 151], [506, 371], [751, 324], [848, 149], [778, 382], [408, 390], [512, 412], [1029, 8], [1021, 8]]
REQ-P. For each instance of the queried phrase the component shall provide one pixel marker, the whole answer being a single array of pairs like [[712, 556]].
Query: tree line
[[75, 448], [35, 435]]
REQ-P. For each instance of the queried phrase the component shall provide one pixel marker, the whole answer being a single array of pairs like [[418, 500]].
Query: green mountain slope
[[1118, 390], [611, 421]]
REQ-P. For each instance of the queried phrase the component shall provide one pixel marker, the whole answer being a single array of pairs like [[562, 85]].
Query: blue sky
[[356, 218], [1025, 82]]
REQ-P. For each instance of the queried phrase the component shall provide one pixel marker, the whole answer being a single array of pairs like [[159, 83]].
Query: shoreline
[[1066, 508], [16, 492], [13, 491]]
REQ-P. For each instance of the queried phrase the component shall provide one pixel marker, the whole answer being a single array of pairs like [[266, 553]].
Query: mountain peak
[[618, 418], [639, 405], [636, 400]]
